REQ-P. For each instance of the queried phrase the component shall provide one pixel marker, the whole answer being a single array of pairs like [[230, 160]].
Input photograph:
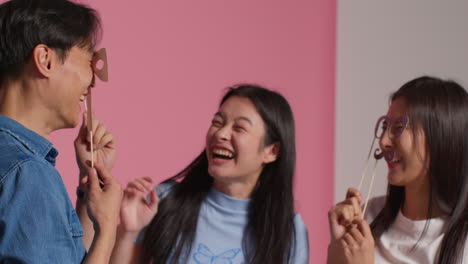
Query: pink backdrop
[[169, 63]]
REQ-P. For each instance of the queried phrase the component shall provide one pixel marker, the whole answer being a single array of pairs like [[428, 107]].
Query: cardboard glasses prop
[[394, 129], [100, 69]]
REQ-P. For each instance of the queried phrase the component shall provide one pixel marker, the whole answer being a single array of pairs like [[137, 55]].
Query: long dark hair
[[270, 229], [440, 108]]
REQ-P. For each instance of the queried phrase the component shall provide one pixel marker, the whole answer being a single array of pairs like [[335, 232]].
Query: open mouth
[[392, 160], [82, 98], [223, 154]]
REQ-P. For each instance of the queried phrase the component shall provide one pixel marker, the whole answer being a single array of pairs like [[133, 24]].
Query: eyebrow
[[236, 119], [397, 117]]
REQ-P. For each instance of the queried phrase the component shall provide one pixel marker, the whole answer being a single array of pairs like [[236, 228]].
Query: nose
[[385, 142], [223, 133]]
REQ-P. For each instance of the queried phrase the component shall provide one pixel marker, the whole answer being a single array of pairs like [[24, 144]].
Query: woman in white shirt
[[424, 216]]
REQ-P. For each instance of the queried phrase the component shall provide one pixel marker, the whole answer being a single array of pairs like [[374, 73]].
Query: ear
[[271, 152], [43, 59]]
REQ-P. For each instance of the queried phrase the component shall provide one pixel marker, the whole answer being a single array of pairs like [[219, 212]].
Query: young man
[[46, 47]]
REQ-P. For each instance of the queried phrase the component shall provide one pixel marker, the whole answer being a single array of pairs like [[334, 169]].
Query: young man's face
[[70, 82]]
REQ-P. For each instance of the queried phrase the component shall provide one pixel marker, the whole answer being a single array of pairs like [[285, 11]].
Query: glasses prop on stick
[[384, 126], [100, 70]]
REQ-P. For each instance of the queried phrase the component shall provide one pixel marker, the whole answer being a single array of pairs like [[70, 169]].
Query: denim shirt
[[38, 223]]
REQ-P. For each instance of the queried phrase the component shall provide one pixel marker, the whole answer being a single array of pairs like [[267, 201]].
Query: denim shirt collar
[[30, 139]]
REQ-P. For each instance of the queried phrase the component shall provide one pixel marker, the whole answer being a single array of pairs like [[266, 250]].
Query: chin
[[72, 123], [217, 173], [395, 179], [214, 173]]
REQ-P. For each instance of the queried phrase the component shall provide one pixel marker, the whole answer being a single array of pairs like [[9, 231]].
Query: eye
[[242, 125], [398, 128], [216, 123], [239, 128], [399, 124], [384, 125]]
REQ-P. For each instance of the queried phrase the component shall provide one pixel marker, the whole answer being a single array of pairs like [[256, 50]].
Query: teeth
[[82, 98], [222, 152]]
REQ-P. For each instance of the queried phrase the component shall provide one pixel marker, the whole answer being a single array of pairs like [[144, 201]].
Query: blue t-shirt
[[38, 223], [220, 228]]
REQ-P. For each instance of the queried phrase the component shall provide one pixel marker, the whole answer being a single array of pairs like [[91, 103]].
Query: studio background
[[335, 61], [169, 65]]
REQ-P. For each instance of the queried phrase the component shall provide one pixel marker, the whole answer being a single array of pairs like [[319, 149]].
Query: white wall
[[381, 45]]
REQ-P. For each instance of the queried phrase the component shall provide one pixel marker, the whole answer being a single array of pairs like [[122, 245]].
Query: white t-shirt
[[397, 244]]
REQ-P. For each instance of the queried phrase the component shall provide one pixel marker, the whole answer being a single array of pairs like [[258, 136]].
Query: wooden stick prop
[[100, 69]]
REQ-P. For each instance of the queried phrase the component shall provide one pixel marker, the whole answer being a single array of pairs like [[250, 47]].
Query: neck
[[235, 189], [417, 200], [19, 102]]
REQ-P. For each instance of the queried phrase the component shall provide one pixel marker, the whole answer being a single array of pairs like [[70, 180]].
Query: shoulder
[[32, 185], [374, 207], [300, 230], [27, 171], [164, 188], [299, 223], [12, 155], [34, 199]]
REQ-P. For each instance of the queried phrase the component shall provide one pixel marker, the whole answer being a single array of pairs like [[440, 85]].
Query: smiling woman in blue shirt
[[233, 204]]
